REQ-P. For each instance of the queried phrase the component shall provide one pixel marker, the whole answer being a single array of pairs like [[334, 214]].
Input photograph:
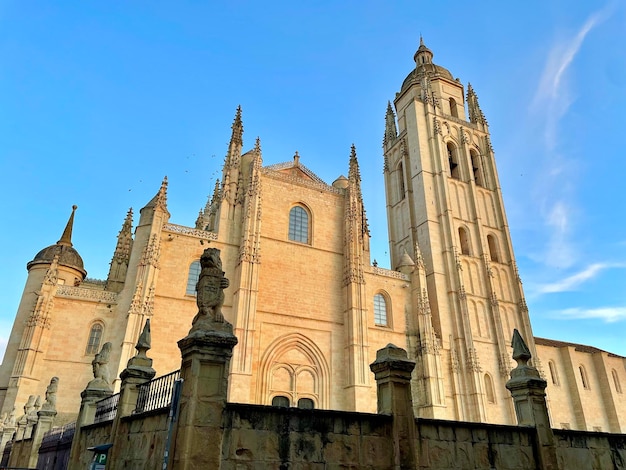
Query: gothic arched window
[[95, 337], [553, 373], [192, 278], [464, 240], [491, 396], [494, 252], [452, 160], [476, 168], [299, 225], [583, 378], [618, 386], [401, 187], [453, 111], [380, 310]]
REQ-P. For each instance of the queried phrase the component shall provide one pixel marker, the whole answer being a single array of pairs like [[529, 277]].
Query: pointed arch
[[616, 382], [96, 332], [583, 377], [382, 305], [477, 168], [494, 250], [300, 224], [464, 241], [489, 390], [553, 373], [400, 177], [453, 160], [454, 112], [192, 277], [309, 373]]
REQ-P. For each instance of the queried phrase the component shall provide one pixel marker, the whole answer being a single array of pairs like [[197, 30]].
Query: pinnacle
[[66, 238]]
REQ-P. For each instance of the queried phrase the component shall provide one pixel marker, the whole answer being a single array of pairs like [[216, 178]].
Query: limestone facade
[[307, 305]]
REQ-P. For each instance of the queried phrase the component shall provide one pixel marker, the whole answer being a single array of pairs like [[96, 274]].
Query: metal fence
[[54, 452], [157, 393], [106, 408]]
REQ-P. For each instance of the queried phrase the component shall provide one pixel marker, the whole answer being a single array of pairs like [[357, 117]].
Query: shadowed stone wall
[[269, 437], [451, 444], [580, 449]]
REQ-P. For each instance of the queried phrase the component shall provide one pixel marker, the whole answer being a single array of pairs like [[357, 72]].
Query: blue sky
[[100, 100]]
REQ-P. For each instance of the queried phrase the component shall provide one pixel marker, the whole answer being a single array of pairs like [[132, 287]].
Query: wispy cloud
[[574, 281], [607, 314], [552, 100], [553, 96]]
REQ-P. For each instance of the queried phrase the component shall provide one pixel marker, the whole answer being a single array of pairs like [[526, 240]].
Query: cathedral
[[308, 306]]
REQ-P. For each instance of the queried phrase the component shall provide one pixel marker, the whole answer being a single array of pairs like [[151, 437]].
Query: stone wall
[[140, 440], [90, 435], [269, 437], [452, 444], [590, 450], [20, 453]]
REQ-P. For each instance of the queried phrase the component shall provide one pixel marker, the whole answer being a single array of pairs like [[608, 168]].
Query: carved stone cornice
[[94, 295], [189, 231], [388, 273]]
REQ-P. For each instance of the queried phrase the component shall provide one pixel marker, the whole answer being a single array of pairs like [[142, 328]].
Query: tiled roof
[[300, 166], [577, 347]]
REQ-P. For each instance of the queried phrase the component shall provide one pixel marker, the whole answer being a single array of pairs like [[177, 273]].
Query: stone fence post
[[96, 390], [392, 370], [205, 365], [528, 390], [138, 371], [206, 353]]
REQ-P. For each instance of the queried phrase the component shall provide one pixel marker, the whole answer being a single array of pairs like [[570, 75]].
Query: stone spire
[[121, 256], [423, 55], [160, 198], [237, 127], [475, 113], [354, 178], [66, 238], [391, 132], [125, 238], [200, 220]]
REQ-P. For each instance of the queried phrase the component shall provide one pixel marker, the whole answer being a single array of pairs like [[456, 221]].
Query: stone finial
[[521, 354], [144, 341], [210, 289], [391, 131], [100, 365], [51, 395]]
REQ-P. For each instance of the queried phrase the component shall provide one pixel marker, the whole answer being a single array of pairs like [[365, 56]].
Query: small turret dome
[[424, 66], [341, 182], [67, 254]]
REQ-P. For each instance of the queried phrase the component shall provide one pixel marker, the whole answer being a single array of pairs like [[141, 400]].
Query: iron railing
[[59, 433], [157, 393], [106, 409]]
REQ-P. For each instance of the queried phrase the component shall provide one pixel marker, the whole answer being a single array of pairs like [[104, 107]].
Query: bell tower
[[443, 195]]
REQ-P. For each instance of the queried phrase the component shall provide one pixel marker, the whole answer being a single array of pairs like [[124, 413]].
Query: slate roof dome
[[424, 66], [68, 256]]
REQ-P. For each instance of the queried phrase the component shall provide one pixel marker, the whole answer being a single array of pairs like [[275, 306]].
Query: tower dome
[[424, 66], [67, 254]]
